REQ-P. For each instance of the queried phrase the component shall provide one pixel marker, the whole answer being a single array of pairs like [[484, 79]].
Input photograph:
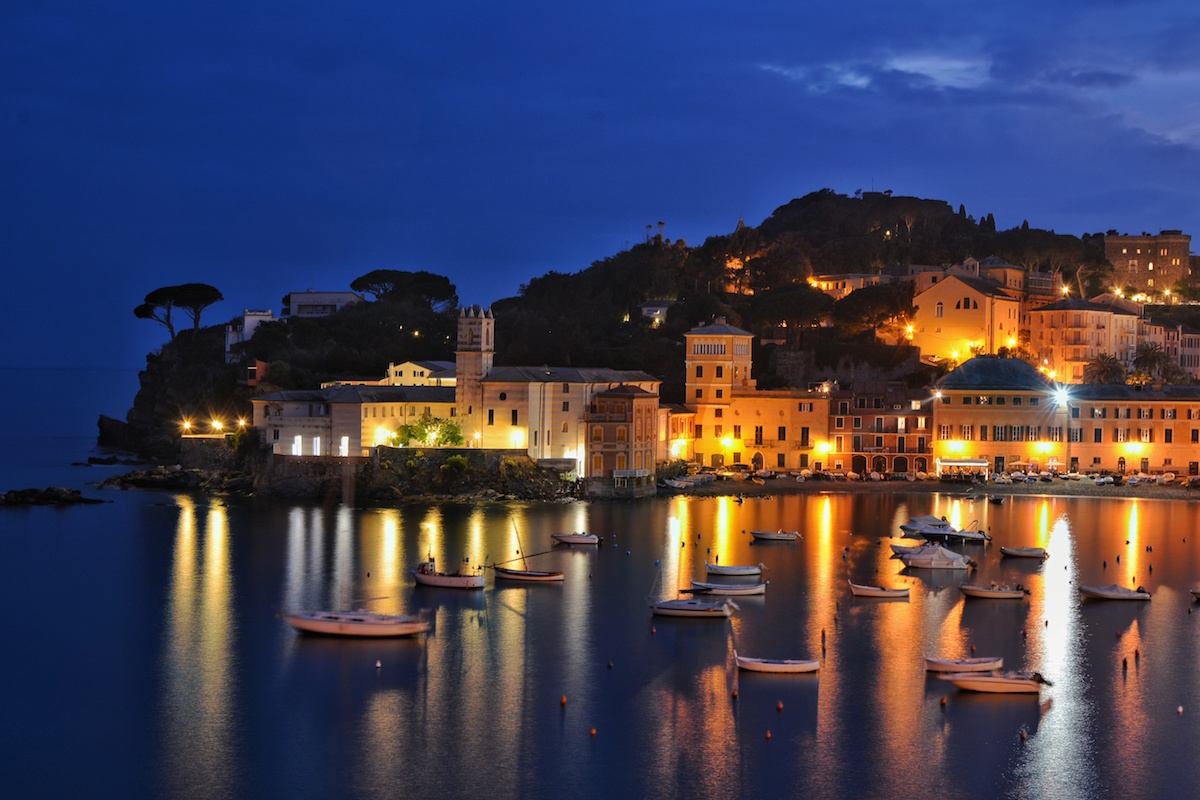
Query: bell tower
[[473, 361]]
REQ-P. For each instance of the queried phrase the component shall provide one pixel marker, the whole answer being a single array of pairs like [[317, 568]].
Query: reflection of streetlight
[[216, 424]]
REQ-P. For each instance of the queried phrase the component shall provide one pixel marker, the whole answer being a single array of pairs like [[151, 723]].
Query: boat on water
[[779, 536], [426, 574], [994, 592], [862, 590], [776, 664], [981, 664], [905, 549], [733, 569], [925, 522], [699, 587], [692, 607], [935, 557], [1114, 592], [575, 538], [1023, 552], [537, 576], [366, 624], [997, 682]]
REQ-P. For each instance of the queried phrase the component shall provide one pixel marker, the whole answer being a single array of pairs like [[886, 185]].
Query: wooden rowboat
[[1002, 683], [731, 569], [699, 587], [862, 590], [1023, 552], [426, 574], [776, 664], [994, 592], [982, 664], [365, 624], [708, 609], [509, 574]]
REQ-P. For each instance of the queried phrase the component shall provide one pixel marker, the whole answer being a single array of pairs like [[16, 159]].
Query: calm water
[[143, 657]]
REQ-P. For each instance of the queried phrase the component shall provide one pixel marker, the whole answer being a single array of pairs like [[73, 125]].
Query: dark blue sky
[[270, 148]]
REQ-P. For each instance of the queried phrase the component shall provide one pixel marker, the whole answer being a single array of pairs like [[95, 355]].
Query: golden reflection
[[434, 542], [390, 547], [1132, 560], [199, 634], [724, 526], [1043, 525], [1131, 722], [956, 518], [695, 726]]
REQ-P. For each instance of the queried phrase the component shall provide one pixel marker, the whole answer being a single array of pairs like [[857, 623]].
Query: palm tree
[[1104, 368], [1151, 358]]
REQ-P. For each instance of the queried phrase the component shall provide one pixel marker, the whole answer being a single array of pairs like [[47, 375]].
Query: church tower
[[473, 361]]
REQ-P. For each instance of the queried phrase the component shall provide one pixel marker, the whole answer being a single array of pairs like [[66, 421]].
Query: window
[[699, 432], [737, 431], [699, 394], [566, 388], [999, 433], [937, 310], [720, 372], [966, 401], [782, 433], [566, 405], [839, 422], [1145, 435], [966, 432], [564, 427], [1098, 435], [780, 460], [856, 423], [598, 434], [1075, 434], [700, 372], [720, 393], [514, 416], [718, 412], [622, 434], [491, 416], [804, 437], [758, 434], [944, 432], [717, 430], [805, 407], [737, 458]]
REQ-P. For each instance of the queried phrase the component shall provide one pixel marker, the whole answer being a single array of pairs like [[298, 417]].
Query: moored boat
[[708, 609], [905, 549], [935, 557], [366, 624], [862, 590], [776, 664], [994, 592], [699, 587], [925, 522], [733, 569], [426, 574], [997, 683], [507, 573], [780, 535], [1023, 552], [575, 538], [981, 664], [1114, 592]]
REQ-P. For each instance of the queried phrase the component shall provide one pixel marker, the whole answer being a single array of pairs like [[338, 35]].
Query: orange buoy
[[972, 648], [593, 731], [779, 706], [768, 734], [735, 692], [653, 630], [1023, 735], [563, 700], [943, 701]]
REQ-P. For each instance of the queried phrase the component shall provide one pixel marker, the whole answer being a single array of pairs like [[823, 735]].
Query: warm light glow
[[478, 436], [1044, 447], [1120, 293], [382, 436], [1061, 395], [517, 438], [938, 394], [187, 426], [1012, 342], [954, 355], [727, 442], [824, 448], [216, 424], [1066, 290], [955, 446], [677, 447], [1133, 448], [1052, 373], [241, 422]]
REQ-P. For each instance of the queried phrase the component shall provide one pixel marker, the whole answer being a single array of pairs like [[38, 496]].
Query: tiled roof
[[565, 375], [992, 373]]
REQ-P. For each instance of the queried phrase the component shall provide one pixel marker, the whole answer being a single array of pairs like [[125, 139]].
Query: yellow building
[[1066, 335], [962, 315], [737, 424]]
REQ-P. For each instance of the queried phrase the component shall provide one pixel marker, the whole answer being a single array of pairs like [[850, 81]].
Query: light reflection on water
[[475, 705]]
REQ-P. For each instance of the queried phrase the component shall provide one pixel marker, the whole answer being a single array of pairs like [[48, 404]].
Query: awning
[[963, 462]]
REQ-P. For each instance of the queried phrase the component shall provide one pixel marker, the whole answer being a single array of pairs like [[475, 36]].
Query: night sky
[[267, 148]]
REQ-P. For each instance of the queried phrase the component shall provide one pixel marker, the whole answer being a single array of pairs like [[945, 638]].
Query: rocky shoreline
[[50, 496]]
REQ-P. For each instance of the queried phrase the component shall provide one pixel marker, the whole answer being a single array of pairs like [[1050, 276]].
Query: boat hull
[[448, 581], [919, 562], [362, 625], [1112, 592], [993, 684], [531, 576], [775, 536], [1023, 552], [575, 538], [776, 665], [692, 608], [729, 588], [952, 665], [992, 593], [730, 569], [860, 590]]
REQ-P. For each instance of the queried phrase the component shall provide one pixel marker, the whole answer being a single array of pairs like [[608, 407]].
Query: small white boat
[[905, 549], [1001, 683], [994, 592], [981, 664], [935, 557], [776, 664], [709, 609], [1114, 592], [366, 624], [732, 569], [699, 587], [780, 535], [508, 574], [971, 533], [862, 590], [926, 522], [575, 538], [1023, 552], [427, 574]]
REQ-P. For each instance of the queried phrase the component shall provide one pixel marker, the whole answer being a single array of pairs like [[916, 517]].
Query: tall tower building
[[473, 361], [718, 365]]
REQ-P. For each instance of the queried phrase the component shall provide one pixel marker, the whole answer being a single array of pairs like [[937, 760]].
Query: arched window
[[938, 310]]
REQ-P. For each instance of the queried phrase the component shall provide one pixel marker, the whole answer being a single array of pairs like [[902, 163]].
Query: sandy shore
[[1057, 488]]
